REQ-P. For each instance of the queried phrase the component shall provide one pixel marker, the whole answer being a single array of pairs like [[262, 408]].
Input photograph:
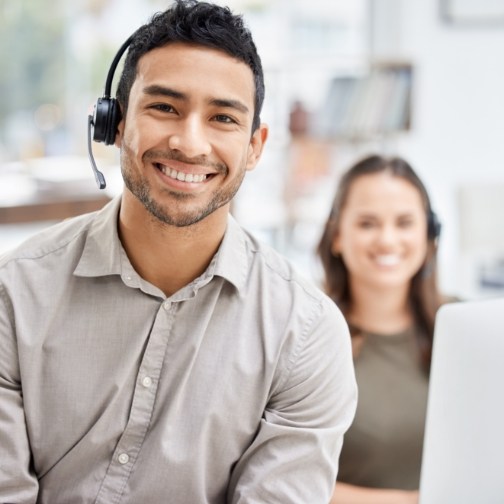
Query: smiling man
[[154, 351]]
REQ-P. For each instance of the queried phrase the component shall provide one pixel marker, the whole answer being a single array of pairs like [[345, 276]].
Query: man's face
[[186, 139]]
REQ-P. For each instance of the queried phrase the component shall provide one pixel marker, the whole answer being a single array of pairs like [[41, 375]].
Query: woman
[[378, 251]]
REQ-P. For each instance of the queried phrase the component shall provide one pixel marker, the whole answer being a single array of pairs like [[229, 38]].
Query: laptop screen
[[463, 453]]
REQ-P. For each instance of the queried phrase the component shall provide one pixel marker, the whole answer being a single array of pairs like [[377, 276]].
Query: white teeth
[[387, 260], [183, 177]]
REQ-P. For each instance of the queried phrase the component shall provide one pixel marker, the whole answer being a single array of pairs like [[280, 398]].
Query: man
[[153, 351]]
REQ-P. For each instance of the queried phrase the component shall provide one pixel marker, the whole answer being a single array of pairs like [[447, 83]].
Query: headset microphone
[[99, 177], [102, 125]]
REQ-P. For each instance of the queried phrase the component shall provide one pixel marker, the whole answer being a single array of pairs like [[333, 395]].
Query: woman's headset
[[433, 225]]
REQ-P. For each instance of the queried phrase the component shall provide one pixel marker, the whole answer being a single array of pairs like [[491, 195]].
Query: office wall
[[457, 139]]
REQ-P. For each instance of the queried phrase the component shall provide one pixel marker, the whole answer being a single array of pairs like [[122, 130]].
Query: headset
[[102, 124], [433, 225]]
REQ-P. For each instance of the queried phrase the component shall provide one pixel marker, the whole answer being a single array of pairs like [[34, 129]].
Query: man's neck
[[170, 257]]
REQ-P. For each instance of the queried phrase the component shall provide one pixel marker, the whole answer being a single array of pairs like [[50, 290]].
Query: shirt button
[[123, 458], [166, 305], [147, 381]]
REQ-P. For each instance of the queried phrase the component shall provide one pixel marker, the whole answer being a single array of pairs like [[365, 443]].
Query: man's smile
[[180, 175]]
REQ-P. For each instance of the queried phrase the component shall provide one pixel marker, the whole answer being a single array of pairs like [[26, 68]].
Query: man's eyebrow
[[234, 104], [156, 90]]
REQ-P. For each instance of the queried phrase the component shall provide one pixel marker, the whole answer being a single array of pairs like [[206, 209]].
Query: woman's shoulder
[[448, 298]]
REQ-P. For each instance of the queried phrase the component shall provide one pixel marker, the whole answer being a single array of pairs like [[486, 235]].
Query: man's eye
[[162, 107], [224, 119]]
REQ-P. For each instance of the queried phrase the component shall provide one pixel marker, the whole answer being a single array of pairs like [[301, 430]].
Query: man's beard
[[140, 188]]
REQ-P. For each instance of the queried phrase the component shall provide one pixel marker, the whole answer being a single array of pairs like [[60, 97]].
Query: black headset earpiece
[[102, 125], [433, 225], [107, 116]]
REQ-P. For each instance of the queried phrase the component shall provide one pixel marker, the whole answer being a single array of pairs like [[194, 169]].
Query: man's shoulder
[[283, 273], [50, 240]]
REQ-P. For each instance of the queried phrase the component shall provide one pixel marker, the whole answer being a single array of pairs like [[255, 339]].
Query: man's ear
[[120, 130], [256, 146]]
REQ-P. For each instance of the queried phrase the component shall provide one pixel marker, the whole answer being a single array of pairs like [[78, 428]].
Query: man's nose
[[190, 137]]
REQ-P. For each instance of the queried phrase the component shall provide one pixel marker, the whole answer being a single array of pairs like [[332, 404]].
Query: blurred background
[[422, 79]]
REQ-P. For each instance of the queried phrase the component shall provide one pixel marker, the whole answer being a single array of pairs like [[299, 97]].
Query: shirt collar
[[231, 260], [103, 253]]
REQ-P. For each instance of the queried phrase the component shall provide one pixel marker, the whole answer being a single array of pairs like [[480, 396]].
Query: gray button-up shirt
[[238, 388]]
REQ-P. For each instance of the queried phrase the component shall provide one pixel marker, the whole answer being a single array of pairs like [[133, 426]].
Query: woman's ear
[[335, 245]]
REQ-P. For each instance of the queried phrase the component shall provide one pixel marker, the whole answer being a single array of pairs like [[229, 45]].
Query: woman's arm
[[351, 494]]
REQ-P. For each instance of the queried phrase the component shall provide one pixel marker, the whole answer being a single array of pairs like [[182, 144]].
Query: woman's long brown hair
[[424, 296]]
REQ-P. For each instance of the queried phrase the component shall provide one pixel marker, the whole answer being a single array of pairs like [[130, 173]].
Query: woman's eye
[[366, 224], [405, 223]]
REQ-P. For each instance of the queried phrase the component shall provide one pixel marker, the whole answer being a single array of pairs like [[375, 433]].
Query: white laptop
[[463, 454]]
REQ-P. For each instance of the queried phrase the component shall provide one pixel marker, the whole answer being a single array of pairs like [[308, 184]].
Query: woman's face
[[382, 235]]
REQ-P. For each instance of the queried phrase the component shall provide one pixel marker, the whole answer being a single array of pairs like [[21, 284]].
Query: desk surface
[[47, 207], [52, 189]]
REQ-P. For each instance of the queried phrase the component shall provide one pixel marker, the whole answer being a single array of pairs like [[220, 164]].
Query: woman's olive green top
[[383, 447]]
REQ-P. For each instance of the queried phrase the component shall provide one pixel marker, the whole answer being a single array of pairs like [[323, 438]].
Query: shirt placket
[[146, 385]]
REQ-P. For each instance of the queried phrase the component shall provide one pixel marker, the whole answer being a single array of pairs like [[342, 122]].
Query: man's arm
[[18, 484], [294, 456]]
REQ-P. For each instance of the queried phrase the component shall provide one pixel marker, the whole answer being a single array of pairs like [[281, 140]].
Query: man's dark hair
[[199, 23]]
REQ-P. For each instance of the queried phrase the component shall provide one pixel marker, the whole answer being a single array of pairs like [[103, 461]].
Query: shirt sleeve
[[294, 456], [17, 481]]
